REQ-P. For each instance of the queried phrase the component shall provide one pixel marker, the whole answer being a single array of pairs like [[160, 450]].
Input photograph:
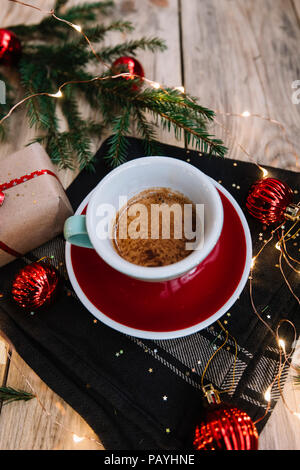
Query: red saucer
[[184, 303]]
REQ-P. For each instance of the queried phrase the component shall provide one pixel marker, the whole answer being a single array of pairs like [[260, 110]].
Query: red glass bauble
[[10, 47], [35, 285], [226, 428], [268, 200], [129, 65]]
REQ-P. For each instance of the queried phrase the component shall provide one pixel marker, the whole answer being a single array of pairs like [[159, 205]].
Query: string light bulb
[[180, 88], [77, 27], [268, 394], [246, 114], [155, 85], [56, 95], [77, 439], [278, 246], [281, 343]]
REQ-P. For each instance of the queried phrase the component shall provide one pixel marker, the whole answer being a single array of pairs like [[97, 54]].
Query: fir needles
[[54, 53], [8, 395]]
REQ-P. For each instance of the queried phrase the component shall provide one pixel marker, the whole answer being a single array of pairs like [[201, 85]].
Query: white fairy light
[[246, 114], [155, 85], [77, 439], [77, 27], [268, 394], [180, 88], [56, 95], [281, 343]]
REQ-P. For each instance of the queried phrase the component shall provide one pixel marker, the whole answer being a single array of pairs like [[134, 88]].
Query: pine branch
[[172, 99], [98, 32], [8, 395], [87, 12], [118, 144], [53, 53], [198, 137], [78, 136], [108, 54], [60, 4], [147, 133]]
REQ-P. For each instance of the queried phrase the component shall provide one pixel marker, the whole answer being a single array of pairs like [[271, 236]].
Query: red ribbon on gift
[[11, 184]]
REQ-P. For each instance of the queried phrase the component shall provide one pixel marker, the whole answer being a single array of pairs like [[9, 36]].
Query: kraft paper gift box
[[35, 204]]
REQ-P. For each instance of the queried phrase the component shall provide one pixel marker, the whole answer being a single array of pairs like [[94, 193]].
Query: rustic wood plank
[[239, 56], [282, 431], [3, 362], [296, 7], [153, 18], [24, 425], [29, 428]]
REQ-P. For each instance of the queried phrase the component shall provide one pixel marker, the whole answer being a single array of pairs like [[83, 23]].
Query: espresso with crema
[[150, 230]]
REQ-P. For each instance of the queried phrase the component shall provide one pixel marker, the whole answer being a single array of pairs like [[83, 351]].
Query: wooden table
[[236, 55]]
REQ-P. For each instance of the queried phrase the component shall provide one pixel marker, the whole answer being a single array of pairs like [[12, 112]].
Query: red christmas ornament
[[2, 197], [35, 285], [10, 47], [270, 201], [129, 65], [225, 428]]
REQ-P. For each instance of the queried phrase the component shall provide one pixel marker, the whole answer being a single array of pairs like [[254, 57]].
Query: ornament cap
[[292, 212], [270, 200], [211, 394]]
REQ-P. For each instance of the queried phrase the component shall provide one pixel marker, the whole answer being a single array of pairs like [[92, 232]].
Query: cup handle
[[75, 231]]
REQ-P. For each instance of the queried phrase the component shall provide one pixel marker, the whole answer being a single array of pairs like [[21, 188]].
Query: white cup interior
[[148, 172]]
